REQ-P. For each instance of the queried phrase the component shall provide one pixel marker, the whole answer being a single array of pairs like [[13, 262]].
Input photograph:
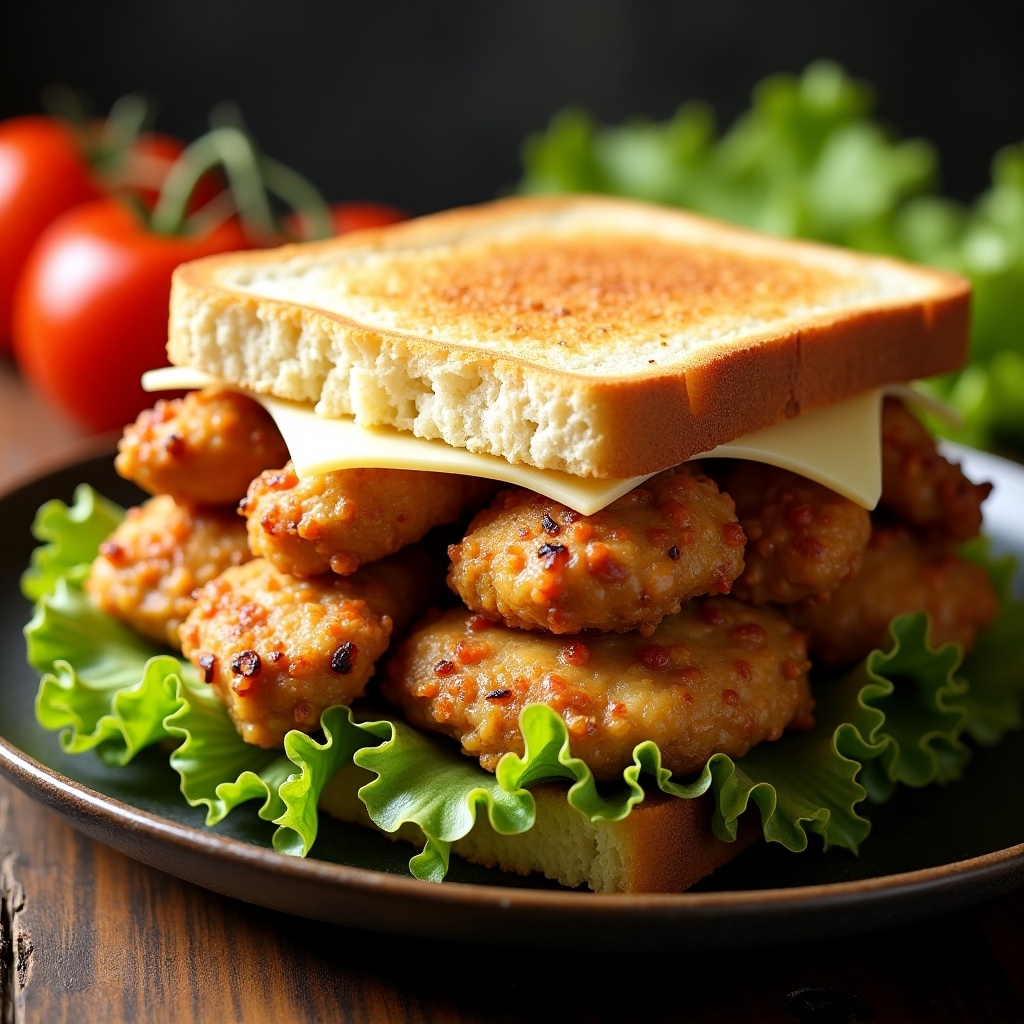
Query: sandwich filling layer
[[838, 446]]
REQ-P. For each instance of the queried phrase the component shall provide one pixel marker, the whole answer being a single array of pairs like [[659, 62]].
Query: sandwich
[[567, 535]]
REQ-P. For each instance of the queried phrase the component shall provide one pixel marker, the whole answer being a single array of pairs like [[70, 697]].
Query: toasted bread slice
[[603, 337], [664, 845]]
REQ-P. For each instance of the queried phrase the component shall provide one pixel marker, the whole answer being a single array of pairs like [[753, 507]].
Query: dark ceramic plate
[[931, 851]]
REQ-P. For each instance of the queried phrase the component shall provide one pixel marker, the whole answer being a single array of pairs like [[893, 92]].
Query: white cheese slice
[[839, 446]]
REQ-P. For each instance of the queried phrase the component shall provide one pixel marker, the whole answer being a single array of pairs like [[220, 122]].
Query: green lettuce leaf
[[426, 782], [898, 719], [810, 159], [106, 689], [218, 769], [912, 714], [102, 686], [70, 537], [806, 159], [994, 700], [809, 783], [318, 762]]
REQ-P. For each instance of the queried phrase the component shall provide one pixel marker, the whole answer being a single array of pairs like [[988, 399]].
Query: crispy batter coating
[[802, 538], [533, 563], [717, 676], [149, 567], [279, 650], [920, 486], [338, 521], [900, 574], [204, 447]]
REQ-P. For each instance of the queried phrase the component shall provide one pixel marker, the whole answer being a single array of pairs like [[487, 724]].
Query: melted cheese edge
[[839, 447]]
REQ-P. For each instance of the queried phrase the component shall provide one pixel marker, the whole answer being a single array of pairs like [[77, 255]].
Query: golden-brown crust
[[278, 650], [717, 677], [900, 575], [148, 569], [341, 520], [920, 487], [204, 447], [803, 539], [883, 322], [533, 563]]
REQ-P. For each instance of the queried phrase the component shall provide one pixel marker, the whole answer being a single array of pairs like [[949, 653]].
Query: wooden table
[[87, 934]]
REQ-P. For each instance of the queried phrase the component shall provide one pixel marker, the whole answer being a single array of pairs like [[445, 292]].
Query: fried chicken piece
[[340, 520], [204, 447], [920, 486], [148, 568], [279, 650], [802, 538], [718, 676], [534, 563], [900, 574]]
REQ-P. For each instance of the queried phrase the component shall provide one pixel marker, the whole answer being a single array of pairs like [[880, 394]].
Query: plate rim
[[31, 774], [963, 882]]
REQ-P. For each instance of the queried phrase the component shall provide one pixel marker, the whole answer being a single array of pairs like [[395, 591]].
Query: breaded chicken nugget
[[802, 538], [717, 676], [536, 564], [149, 567], [340, 520], [279, 650], [900, 574], [204, 447], [920, 486]]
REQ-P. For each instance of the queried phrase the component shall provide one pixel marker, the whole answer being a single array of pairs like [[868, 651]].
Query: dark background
[[426, 104]]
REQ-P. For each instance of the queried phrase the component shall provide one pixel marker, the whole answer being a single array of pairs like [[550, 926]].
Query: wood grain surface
[[89, 935]]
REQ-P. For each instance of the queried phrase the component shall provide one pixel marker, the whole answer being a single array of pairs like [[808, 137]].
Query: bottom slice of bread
[[665, 844]]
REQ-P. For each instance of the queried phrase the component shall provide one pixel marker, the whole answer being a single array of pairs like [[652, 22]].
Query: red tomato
[[42, 174], [145, 164], [90, 311], [46, 168], [347, 217], [354, 216]]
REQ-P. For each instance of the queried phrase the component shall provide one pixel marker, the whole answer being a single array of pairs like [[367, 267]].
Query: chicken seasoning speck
[[246, 663], [329, 632], [344, 658], [205, 663], [682, 688], [549, 554], [608, 570]]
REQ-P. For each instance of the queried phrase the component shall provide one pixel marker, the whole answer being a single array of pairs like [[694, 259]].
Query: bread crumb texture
[[664, 845], [585, 334]]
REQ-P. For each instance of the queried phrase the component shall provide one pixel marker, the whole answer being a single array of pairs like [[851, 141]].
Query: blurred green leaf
[[809, 159]]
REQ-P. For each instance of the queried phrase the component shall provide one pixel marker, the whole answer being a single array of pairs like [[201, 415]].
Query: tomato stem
[[298, 193], [128, 116], [253, 179], [210, 216], [288, 185], [106, 143], [221, 147]]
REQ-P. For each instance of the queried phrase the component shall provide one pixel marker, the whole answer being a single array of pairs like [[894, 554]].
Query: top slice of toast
[[603, 337]]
